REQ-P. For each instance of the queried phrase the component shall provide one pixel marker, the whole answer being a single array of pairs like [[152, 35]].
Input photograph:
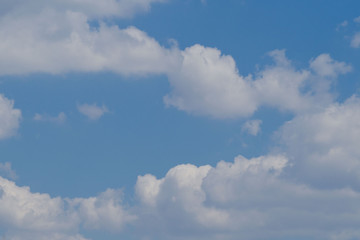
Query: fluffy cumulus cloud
[[57, 37], [325, 66], [209, 83], [247, 198], [9, 117], [92, 111], [311, 190], [26, 215], [326, 140], [56, 42]]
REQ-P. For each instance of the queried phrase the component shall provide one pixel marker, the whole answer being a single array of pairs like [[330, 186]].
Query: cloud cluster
[[269, 197], [209, 83], [249, 198], [57, 37]]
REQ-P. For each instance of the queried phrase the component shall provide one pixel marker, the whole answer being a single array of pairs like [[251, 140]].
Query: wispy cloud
[[6, 171], [252, 127], [60, 118]]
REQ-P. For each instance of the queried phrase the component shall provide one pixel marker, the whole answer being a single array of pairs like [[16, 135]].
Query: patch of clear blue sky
[[140, 135]]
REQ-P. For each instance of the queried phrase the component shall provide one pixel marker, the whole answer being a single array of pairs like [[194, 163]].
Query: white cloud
[[342, 25], [252, 127], [6, 171], [357, 19], [92, 111], [326, 140], [9, 118], [203, 80], [325, 66], [247, 199], [60, 118], [64, 42], [208, 83], [29, 216], [104, 211], [254, 198], [355, 41]]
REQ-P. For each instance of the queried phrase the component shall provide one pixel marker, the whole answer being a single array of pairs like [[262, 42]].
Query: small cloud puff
[[92, 111], [252, 127], [325, 66], [342, 25]]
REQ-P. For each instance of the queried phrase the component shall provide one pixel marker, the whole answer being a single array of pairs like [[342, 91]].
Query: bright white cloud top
[[306, 185]]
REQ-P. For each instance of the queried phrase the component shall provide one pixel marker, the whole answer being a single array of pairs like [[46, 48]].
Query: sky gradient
[[179, 120]]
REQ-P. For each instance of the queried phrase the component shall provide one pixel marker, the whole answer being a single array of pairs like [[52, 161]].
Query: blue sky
[[169, 119]]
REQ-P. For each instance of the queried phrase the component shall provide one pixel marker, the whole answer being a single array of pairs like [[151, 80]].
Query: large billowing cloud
[[209, 83], [9, 118], [248, 198], [245, 199], [324, 145], [56, 42], [57, 37]]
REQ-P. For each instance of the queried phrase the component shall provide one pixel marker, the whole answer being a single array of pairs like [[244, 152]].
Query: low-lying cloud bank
[[311, 189], [246, 198]]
